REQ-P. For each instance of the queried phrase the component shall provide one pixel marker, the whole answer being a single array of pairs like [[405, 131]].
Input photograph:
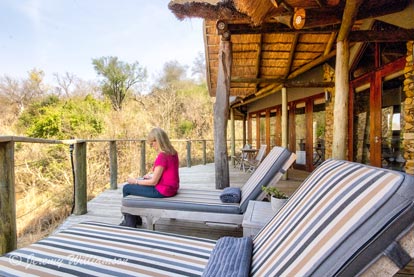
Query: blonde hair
[[162, 139]]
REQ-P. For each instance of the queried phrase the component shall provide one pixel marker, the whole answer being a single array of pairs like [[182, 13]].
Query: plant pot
[[277, 203]]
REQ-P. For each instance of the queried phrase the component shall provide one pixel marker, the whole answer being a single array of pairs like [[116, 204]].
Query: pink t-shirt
[[170, 181]]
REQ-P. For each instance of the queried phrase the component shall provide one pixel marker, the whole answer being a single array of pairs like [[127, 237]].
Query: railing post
[[8, 234], [142, 165], [113, 164], [188, 153], [204, 152], [80, 178]]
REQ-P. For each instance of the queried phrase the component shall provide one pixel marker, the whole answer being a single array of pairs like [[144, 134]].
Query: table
[[258, 213], [247, 155]]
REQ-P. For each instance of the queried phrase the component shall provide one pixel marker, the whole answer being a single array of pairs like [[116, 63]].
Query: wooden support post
[[244, 129], [233, 137], [341, 101], [113, 164], [204, 152], [221, 115], [285, 129], [80, 179], [8, 234], [142, 169], [340, 126], [188, 153]]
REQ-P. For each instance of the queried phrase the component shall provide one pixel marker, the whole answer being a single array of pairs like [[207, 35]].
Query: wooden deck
[[106, 207]]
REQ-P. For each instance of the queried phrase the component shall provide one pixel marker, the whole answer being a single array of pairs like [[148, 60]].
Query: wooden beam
[[259, 58], [8, 233], [330, 43], [354, 36], [323, 19], [256, 80], [381, 36], [298, 84], [221, 115], [348, 18], [291, 54], [371, 9], [341, 101], [281, 3], [287, 83], [81, 197], [113, 165], [312, 64], [271, 28]]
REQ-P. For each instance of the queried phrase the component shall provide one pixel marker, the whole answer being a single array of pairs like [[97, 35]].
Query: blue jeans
[[146, 191]]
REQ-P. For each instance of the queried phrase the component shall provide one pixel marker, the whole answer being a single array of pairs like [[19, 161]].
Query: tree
[[173, 72], [65, 83], [199, 68], [21, 93], [119, 78], [178, 104]]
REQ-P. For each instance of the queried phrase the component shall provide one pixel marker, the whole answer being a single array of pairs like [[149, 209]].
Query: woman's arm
[[156, 176]]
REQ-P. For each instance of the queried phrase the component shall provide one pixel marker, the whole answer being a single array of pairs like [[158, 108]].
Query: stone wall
[[329, 76], [408, 122]]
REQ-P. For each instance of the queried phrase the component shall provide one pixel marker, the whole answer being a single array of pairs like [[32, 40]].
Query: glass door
[[318, 131], [391, 147], [300, 133], [361, 124], [377, 120], [275, 128]]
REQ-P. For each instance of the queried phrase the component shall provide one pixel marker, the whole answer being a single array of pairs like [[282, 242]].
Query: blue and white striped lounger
[[346, 219], [205, 205]]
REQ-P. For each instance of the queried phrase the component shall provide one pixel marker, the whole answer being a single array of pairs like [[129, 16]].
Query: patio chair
[[253, 164], [205, 205], [346, 219], [240, 157]]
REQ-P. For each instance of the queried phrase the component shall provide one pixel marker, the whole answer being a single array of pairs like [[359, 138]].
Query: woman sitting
[[163, 182]]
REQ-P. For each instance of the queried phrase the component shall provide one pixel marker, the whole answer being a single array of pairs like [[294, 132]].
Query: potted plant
[[277, 198]]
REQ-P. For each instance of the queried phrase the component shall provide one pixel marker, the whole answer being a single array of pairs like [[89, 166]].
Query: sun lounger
[[205, 205], [346, 219]]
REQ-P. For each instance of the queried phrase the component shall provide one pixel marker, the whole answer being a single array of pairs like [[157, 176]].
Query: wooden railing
[[8, 232]]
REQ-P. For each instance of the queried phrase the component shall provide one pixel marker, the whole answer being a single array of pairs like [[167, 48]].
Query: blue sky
[[59, 36]]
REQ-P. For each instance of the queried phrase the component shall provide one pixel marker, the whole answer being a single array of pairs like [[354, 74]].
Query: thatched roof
[[274, 41]]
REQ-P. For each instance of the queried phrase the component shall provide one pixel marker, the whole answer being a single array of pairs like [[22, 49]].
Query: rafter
[[259, 58], [349, 17], [291, 54], [354, 36], [381, 36], [312, 64], [330, 43], [268, 28], [285, 82]]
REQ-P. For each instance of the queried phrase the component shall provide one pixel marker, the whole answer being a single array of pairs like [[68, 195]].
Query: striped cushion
[[105, 250], [185, 200], [328, 221], [209, 200]]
